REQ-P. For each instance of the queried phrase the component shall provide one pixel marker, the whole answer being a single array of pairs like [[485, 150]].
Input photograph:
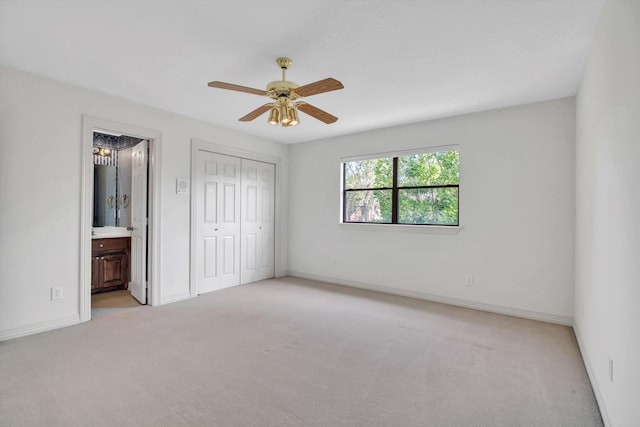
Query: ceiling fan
[[286, 98]]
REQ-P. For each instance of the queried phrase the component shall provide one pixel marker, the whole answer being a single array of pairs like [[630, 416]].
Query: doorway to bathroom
[[119, 218]]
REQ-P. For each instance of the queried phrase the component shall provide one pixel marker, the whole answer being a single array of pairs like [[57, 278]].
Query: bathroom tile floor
[[111, 302]]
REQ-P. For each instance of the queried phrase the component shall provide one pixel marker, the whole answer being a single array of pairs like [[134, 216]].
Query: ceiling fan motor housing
[[282, 88]]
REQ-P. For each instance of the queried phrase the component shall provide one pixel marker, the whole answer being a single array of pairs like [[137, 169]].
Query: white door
[[138, 284], [257, 225], [217, 204]]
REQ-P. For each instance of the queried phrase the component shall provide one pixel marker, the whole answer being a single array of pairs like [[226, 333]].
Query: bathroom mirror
[[105, 199], [112, 165], [112, 195]]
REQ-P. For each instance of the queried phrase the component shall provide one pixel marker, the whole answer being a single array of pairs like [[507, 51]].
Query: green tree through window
[[418, 188]]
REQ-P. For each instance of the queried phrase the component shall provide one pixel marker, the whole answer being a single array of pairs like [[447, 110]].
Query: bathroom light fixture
[[102, 151]]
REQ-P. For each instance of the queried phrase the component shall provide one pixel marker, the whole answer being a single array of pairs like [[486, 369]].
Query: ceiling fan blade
[[317, 113], [256, 113], [322, 86], [238, 88]]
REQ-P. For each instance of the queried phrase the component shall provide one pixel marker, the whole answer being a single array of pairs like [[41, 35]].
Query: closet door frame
[[279, 249]]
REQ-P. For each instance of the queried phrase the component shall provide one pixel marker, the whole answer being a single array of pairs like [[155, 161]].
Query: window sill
[[427, 229]]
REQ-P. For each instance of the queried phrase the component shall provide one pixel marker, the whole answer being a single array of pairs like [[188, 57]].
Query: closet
[[234, 204]]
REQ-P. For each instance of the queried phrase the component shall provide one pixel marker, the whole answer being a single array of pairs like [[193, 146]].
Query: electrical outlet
[[611, 370], [468, 280], [57, 292], [332, 262]]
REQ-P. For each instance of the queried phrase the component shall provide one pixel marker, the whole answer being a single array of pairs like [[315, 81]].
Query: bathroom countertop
[[109, 232]]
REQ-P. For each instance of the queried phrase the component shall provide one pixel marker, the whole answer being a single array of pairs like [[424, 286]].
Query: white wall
[[40, 129], [516, 207], [607, 318]]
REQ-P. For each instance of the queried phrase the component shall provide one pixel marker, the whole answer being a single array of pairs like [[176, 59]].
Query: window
[[419, 189]]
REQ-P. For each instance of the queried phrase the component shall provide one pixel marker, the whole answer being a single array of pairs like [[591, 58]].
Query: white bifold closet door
[[257, 224], [217, 222], [234, 230]]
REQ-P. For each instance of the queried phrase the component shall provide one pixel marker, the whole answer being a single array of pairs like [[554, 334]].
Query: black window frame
[[395, 191]]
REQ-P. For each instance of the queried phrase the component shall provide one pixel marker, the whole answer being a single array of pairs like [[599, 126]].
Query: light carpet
[[292, 352]]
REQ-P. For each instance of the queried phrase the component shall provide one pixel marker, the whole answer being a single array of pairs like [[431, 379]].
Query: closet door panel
[[258, 225], [217, 206]]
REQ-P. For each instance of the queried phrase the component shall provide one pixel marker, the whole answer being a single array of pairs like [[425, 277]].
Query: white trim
[[592, 378], [154, 248], [175, 298], [423, 150], [405, 228], [509, 311], [196, 145], [89, 124], [23, 331]]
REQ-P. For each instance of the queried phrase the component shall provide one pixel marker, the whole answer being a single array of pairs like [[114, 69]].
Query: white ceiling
[[400, 61]]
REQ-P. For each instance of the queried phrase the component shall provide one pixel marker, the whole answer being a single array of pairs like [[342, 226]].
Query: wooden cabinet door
[[96, 270], [114, 269], [109, 264]]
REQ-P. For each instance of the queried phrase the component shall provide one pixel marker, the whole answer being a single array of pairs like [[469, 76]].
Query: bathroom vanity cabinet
[[110, 264]]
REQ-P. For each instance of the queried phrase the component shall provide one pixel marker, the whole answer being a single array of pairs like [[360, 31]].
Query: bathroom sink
[[109, 232]]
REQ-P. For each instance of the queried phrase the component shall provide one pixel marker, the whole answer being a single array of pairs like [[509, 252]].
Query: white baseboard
[[592, 378], [175, 298], [23, 331], [516, 312]]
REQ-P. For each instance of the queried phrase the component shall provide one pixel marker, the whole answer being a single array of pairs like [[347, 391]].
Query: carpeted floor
[[291, 352]]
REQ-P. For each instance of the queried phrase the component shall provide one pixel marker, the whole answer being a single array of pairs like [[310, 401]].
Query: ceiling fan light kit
[[284, 109]]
